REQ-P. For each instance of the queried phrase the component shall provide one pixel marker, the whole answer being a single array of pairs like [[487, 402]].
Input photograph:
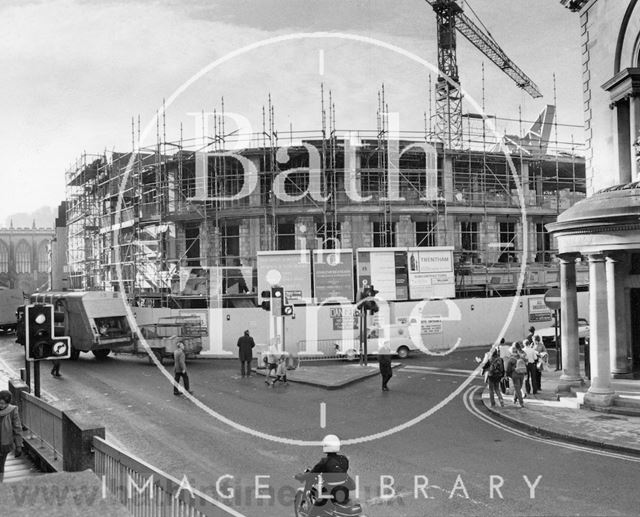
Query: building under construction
[[139, 220]]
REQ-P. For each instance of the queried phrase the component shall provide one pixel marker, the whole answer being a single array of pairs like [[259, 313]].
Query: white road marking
[[453, 373], [323, 415], [438, 369], [469, 404]]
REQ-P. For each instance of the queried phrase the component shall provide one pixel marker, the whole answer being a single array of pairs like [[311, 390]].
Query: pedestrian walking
[[180, 369], [494, 368], [543, 359], [384, 363], [55, 368], [517, 369], [271, 363], [245, 353], [10, 430], [532, 360]]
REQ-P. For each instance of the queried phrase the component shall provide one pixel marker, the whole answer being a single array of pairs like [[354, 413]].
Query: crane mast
[[450, 18]]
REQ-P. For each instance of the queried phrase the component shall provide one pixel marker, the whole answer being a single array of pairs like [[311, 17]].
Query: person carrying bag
[[10, 430]]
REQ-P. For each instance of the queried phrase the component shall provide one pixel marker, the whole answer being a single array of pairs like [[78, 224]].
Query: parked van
[[396, 337]]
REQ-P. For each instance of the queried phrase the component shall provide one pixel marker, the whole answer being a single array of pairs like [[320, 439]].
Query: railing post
[[16, 387], [77, 437]]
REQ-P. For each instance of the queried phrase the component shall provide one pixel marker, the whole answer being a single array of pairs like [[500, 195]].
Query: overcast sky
[[76, 71]]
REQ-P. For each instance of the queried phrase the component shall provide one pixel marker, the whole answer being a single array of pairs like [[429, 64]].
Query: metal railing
[[321, 349], [147, 491], [44, 423]]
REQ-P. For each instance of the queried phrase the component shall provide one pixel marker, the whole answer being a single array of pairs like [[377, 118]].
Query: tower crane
[[450, 17]]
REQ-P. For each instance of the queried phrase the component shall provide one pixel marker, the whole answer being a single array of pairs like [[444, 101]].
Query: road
[[453, 452]]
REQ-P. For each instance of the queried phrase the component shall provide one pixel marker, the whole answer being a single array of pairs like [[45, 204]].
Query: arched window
[[43, 257], [23, 258], [4, 257]]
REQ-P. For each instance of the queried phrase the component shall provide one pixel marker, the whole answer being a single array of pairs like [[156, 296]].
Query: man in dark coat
[[384, 361], [245, 353]]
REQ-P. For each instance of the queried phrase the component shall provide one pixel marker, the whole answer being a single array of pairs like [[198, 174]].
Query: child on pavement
[[281, 370]]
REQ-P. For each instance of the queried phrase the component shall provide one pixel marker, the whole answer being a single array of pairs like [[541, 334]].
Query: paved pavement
[[562, 417], [331, 375]]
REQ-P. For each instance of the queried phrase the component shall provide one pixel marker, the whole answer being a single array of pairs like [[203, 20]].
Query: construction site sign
[[386, 270], [431, 273], [288, 269], [333, 274]]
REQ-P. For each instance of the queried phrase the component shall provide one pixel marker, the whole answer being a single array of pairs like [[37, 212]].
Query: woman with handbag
[[10, 430]]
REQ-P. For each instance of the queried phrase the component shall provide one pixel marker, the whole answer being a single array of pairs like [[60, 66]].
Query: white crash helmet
[[331, 443]]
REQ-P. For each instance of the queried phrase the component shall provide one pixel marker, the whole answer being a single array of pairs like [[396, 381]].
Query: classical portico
[[605, 231]]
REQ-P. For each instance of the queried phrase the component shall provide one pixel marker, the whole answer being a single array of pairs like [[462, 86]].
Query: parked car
[[548, 334]]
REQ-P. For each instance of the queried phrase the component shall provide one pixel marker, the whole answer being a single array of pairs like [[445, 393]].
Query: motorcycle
[[334, 503]]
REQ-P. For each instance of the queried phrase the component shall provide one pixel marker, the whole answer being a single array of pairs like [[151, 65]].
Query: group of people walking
[[522, 363]]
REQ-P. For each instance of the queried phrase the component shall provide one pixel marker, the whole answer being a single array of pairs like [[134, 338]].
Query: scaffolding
[[136, 221]]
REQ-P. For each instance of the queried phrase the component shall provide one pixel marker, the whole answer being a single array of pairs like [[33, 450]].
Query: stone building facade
[[25, 258], [604, 229]]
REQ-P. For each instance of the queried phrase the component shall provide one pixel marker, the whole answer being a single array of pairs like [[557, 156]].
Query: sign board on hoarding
[[431, 273], [344, 318], [333, 274], [289, 269], [538, 310], [386, 269]]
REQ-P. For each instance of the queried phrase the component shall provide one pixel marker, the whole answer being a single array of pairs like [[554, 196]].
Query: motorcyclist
[[334, 468]]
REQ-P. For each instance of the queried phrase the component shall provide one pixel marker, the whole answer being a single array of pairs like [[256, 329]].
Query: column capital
[[568, 257], [597, 256]]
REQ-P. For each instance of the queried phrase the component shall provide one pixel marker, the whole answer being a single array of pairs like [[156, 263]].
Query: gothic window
[[23, 258], [43, 257], [4, 258]]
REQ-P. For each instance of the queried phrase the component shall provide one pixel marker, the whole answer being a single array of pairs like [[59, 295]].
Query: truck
[[164, 335], [96, 321], [10, 300]]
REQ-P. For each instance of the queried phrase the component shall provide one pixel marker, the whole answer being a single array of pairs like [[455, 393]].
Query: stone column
[[634, 129], [600, 393], [615, 304], [569, 324]]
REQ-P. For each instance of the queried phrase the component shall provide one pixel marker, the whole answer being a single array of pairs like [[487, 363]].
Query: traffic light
[[277, 300], [266, 304], [39, 333], [367, 301]]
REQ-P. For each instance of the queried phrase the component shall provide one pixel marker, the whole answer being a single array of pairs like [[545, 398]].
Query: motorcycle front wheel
[[300, 505]]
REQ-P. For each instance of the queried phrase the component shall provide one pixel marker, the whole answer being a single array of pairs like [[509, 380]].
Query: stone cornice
[[625, 84], [586, 228]]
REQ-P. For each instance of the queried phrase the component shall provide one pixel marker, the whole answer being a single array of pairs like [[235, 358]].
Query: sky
[[75, 72]]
